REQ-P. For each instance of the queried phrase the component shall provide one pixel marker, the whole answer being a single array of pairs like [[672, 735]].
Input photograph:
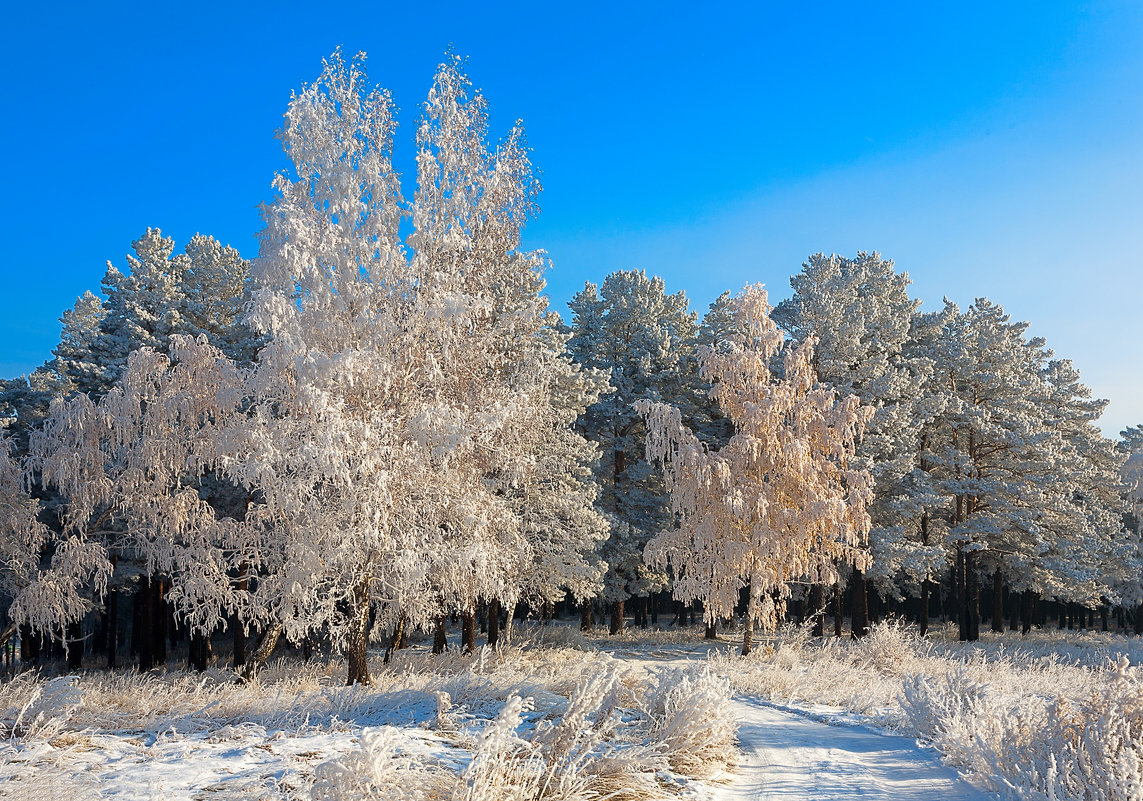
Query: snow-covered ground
[[646, 712], [793, 755]]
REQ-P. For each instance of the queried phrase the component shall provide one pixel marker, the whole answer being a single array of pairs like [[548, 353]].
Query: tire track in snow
[[791, 757]]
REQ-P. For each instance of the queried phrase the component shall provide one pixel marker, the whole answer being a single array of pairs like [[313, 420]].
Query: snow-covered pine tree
[[860, 312], [141, 310], [644, 339], [558, 506], [783, 499], [1028, 479]]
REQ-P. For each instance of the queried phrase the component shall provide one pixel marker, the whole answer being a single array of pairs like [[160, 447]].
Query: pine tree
[[644, 339], [860, 312]]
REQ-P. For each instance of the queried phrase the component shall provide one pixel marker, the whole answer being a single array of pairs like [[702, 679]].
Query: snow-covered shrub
[[1035, 747], [44, 709], [690, 714], [591, 752], [504, 765], [382, 769]]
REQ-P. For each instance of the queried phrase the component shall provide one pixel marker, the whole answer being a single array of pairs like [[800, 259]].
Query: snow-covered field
[[643, 715]]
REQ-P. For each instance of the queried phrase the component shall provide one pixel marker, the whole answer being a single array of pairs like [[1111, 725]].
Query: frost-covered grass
[[530, 721], [1051, 715]]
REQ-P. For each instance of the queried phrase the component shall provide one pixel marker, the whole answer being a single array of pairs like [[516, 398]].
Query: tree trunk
[[236, 626], [112, 632], [1139, 619], [266, 644], [159, 617], [238, 635], [467, 631], [817, 608], [397, 641], [924, 611], [859, 604], [998, 601], [144, 634], [357, 656], [509, 617], [74, 645], [199, 651], [440, 635], [616, 617], [837, 621], [1103, 618], [585, 616], [711, 630], [972, 584], [751, 614], [493, 623]]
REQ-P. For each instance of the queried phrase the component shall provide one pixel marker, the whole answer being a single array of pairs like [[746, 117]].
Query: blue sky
[[989, 149]]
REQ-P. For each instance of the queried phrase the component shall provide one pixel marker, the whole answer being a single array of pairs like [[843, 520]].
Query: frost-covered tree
[[644, 338], [558, 507], [397, 386], [142, 307], [860, 312], [1027, 477], [129, 468], [81, 327], [44, 582], [782, 500]]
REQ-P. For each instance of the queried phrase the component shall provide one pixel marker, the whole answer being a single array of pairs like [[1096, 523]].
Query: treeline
[[365, 432]]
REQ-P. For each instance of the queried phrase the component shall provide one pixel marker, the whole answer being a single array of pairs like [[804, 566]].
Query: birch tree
[[398, 383], [860, 312], [781, 500], [129, 469]]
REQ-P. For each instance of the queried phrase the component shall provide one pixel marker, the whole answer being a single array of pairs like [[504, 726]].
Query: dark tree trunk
[[493, 623], [998, 601], [837, 619], [617, 617], [238, 630], [972, 583], [144, 634], [357, 655], [159, 615], [440, 636], [1103, 618], [238, 635], [199, 651], [74, 645], [923, 616], [817, 608], [711, 631], [397, 641], [112, 632], [859, 604], [1139, 619], [467, 632], [585, 616]]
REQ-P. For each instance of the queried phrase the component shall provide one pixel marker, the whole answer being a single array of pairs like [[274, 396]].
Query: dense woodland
[[378, 427]]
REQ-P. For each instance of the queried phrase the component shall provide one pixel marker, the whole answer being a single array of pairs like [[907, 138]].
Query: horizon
[[988, 152]]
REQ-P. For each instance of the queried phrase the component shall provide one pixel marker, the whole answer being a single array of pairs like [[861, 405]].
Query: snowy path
[[792, 757]]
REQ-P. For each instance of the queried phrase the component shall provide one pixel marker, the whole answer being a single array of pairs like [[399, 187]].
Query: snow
[[792, 754]]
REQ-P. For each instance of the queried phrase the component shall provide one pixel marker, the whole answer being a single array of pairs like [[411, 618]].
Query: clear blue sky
[[989, 148]]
